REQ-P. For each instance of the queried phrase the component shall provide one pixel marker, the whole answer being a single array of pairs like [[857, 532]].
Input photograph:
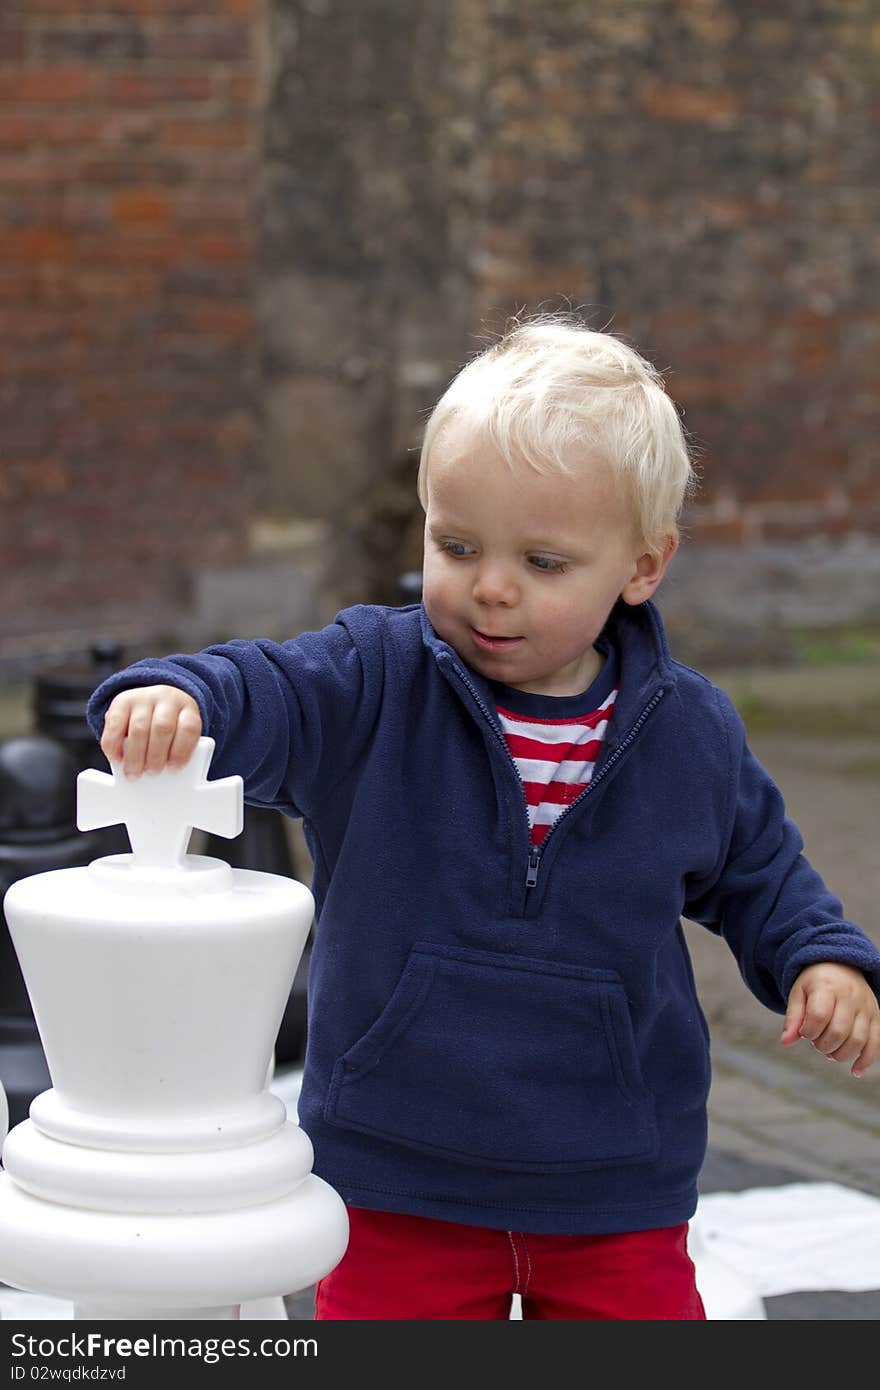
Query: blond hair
[[550, 390]]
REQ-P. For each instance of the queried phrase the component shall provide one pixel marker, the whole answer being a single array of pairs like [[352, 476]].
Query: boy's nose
[[494, 585]]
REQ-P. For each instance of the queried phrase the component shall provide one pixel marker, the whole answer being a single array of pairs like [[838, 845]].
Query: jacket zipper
[[535, 853], [503, 741], [534, 859]]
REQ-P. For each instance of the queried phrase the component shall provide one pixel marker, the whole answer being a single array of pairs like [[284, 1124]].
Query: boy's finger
[[137, 740], [163, 727], [186, 736], [794, 1015], [839, 1033], [819, 1006], [869, 1052], [132, 758], [111, 746], [851, 1048], [113, 733]]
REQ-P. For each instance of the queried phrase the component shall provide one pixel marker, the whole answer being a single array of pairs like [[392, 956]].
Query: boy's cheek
[[437, 595], [443, 616], [438, 613]]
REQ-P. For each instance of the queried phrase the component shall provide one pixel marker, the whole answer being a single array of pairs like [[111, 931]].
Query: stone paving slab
[[760, 1123], [832, 790]]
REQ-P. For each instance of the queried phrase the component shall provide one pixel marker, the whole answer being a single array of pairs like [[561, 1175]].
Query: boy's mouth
[[493, 644]]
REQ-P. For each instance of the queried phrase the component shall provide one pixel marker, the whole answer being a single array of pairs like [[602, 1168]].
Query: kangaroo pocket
[[500, 1060]]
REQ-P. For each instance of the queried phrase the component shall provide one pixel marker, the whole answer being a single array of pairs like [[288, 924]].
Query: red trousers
[[409, 1267]]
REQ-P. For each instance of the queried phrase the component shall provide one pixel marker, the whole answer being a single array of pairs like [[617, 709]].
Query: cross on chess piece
[[159, 812]]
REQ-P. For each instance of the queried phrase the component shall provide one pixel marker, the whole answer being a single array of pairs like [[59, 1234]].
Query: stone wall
[[128, 149], [699, 176], [241, 255], [372, 217]]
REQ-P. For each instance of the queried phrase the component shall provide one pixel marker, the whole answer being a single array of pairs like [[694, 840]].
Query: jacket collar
[[638, 636]]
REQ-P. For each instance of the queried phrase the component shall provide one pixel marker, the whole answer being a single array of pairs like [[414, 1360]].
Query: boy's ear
[[649, 570]]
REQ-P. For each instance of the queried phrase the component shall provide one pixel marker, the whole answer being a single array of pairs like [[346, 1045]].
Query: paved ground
[[788, 1114], [780, 1115], [791, 1106]]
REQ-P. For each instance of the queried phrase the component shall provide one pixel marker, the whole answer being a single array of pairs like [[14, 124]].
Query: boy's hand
[[835, 1009], [149, 728]]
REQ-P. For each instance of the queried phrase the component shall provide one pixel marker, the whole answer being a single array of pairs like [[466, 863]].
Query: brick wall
[[696, 174], [128, 156], [700, 173], [211, 400]]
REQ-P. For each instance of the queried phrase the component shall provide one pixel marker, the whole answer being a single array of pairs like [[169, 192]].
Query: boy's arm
[[291, 718], [763, 896]]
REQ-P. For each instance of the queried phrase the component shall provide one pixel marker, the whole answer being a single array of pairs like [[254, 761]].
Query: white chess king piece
[[159, 1177]]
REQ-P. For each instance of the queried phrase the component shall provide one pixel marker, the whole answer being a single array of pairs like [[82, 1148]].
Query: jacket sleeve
[[763, 896], [291, 718]]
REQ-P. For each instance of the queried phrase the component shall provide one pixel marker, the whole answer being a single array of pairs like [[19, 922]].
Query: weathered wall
[[240, 256], [128, 150], [702, 174], [372, 205]]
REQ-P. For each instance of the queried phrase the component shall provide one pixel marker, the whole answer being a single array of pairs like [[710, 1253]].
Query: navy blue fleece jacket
[[498, 1037]]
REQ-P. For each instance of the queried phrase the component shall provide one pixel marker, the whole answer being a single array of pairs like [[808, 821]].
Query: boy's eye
[[457, 548], [548, 564]]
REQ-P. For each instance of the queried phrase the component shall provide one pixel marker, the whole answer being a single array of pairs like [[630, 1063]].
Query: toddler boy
[[512, 794]]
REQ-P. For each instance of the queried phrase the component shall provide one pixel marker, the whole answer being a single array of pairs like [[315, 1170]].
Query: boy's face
[[521, 569]]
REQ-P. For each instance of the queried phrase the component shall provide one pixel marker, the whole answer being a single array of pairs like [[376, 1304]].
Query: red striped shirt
[[554, 758]]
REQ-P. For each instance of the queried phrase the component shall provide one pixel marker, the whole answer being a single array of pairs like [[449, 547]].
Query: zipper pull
[[532, 871]]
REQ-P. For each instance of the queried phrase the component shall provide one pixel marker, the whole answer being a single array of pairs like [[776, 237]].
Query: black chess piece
[[37, 833], [60, 697]]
